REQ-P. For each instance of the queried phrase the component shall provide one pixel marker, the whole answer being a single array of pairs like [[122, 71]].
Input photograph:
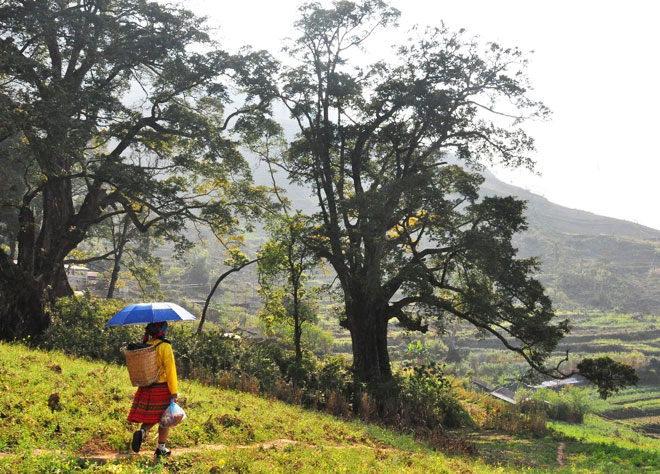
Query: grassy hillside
[[68, 415]]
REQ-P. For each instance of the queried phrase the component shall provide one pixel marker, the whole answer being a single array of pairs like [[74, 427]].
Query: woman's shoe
[[162, 453], [137, 441]]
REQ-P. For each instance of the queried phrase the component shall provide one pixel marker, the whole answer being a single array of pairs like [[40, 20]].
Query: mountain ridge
[[566, 219], [587, 261]]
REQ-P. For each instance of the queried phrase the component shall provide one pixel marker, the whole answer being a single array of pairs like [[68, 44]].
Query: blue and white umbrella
[[145, 313]]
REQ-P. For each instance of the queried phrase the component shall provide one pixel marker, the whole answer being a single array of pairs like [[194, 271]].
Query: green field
[[227, 431]]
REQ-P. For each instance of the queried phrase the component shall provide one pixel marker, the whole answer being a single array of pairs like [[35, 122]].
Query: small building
[[483, 385], [77, 276], [505, 395], [501, 393], [575, 381]]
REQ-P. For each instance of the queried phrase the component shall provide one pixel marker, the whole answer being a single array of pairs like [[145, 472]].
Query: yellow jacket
[[165, 358]]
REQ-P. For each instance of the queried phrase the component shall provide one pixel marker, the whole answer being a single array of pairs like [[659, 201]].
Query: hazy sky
[[596, 64]]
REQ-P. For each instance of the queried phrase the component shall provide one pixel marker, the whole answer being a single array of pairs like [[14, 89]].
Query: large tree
[[121, 108], [404, 228]]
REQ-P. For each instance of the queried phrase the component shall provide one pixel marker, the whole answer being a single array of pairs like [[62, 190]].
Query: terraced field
[[637, 409], [633, 339]]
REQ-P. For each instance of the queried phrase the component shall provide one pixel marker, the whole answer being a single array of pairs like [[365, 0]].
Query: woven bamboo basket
[[142, 366]]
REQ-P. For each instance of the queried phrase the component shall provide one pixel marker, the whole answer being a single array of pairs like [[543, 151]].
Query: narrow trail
[[561, 455], [102, 457]]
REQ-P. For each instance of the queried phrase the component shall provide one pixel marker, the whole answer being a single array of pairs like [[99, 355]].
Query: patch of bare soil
[[631, 412], [94, 446], [561, 455]]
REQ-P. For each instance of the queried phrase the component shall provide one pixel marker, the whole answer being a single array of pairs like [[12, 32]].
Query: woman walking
[[150, 402]]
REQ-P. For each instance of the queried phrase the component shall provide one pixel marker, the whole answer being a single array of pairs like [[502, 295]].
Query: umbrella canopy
[[145, 313]]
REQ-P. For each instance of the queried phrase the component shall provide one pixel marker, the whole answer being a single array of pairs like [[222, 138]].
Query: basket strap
[[156, 345]]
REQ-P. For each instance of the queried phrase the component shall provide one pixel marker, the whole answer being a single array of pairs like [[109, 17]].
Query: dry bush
[[287, 392], [367, 409], [200, 374], [457, 443], [337, 405], [226, 380], [248, 384], [535, 422]]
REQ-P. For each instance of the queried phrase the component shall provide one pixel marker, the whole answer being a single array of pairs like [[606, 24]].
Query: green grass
[[94, 399], [608, 447]]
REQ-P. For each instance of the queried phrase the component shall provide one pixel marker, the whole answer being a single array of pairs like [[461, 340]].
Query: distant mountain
[[566, 220], [588, 261]]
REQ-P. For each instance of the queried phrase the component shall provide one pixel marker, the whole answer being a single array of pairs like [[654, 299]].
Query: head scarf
[[155, 331]]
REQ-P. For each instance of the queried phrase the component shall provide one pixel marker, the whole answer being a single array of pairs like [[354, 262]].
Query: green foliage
[[78, 328], [95, 399], [610, 376], [420, 399], [317, 340], [164, 157], [204, 355], [335, 376], [427, 401], [600, 446], [417, 398], [569, 405], [401, 222], [286, 260]]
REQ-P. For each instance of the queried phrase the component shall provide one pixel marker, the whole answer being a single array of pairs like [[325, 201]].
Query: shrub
[[204, 356], [335, 376], [569, 405], [78, 328], [257, 362], [337, 405], [421, 399], [428, 400]]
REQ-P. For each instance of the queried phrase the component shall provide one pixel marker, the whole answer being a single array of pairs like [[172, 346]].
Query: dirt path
[[274, 444], [103, 457], [561, 455]]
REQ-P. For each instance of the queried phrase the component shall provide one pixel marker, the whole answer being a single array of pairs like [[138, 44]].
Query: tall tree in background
[[286, 262], [286, 259], [119, 106], [405, 230]]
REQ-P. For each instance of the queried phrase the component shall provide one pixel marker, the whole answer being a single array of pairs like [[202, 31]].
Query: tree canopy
[[121, 107]]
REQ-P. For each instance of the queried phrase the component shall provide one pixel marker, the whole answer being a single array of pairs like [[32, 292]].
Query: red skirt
[[149, 403]]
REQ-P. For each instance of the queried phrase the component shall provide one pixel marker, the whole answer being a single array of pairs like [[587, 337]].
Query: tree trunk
[[22, 310], [297, 324], [114, 277], [371, 360], [60, 283], [30, 286], [119, 251], [297, 334]]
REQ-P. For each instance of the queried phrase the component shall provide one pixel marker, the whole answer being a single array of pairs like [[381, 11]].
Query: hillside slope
[[588, 261], [59, 414]]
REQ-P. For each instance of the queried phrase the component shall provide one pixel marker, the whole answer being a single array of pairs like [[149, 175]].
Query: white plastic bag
[[172, 416]]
